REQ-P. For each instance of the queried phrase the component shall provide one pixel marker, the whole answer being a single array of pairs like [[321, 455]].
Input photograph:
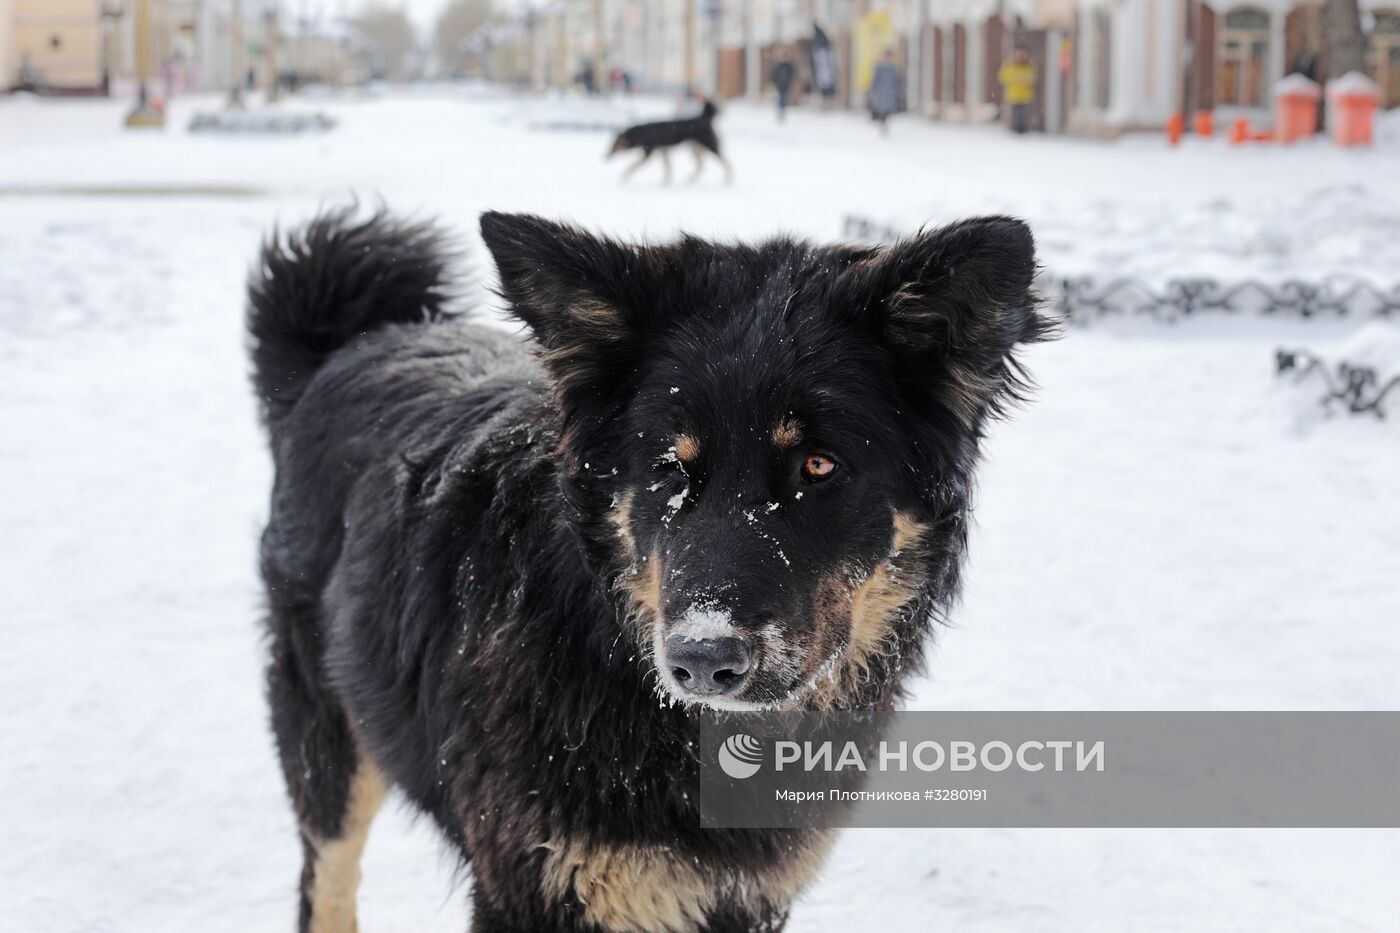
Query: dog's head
[[621, 143], [769, 448]]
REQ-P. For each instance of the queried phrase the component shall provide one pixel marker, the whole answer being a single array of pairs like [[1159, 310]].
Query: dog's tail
[[709, 111], [314, 290]]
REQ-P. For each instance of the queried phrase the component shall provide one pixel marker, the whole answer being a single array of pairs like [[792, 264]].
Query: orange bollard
[[1203, 124], [1176, 123], [1239, 131], [1295, 108], [1353, 109]]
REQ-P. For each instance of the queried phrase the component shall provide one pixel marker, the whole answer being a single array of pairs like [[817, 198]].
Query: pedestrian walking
[[886, 86], [1017, 79], [782, 76]]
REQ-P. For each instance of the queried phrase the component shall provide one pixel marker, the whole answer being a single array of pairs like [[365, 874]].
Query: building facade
[[8, 65], [55, 43], [1103, 66], [89, 46], [1139, 61]]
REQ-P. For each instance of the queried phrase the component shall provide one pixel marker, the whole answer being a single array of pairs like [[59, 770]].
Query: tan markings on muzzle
[[781, 657], [620, 516], [907, 532], [787, 433], [640, 579], [878, 600], [629, 889], [687, 448]]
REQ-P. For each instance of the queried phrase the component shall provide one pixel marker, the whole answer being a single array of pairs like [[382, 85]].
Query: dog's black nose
[[708, 666]]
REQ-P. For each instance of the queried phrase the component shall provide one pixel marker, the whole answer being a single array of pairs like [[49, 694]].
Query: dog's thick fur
[[697, 132], [476, 552]]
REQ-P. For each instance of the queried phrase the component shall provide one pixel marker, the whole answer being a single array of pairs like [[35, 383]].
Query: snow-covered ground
[[1157, 531]]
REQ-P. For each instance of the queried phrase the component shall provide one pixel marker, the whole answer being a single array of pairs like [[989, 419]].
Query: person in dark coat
[[886, 87], [782, 77]]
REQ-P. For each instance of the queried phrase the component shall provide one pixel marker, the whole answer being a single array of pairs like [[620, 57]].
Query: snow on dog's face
[[769, 448]]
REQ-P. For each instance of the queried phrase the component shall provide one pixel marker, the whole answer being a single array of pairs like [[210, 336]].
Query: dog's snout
[[708, 666]]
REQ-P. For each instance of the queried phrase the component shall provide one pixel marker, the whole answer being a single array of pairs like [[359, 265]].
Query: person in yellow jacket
[[1017, 79]]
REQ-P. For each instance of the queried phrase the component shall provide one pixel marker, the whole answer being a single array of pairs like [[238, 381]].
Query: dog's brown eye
[[817, 468]]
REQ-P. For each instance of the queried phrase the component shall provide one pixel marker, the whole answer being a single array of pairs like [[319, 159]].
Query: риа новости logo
[[741, 756]]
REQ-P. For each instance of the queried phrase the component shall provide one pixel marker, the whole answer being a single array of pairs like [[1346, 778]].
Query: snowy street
[[1162, 528]]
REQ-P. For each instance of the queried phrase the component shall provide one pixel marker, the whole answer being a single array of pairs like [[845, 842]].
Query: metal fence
[[1350, 387], [1084, 299]]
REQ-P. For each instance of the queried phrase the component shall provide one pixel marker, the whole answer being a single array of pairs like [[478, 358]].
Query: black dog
[[665, 135], [730, 477]]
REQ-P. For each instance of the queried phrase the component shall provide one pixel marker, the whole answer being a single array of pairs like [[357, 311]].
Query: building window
[[1242, 58], [1383, 56]]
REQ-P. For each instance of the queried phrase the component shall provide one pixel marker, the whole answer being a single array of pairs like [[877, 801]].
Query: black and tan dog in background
[[506, 576], [697, 132]]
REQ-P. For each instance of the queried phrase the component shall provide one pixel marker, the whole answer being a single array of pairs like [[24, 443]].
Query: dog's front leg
[[699, 154], [666, 162], [646, 154]]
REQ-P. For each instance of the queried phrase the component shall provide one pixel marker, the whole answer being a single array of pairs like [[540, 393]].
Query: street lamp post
[[689, 38], [235, 88], [274, 83], [561, 54], [600, 48], [143, 114], [111, 15]]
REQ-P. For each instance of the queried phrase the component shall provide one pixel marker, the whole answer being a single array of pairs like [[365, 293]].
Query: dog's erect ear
[[578, 293], [953, 304]]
